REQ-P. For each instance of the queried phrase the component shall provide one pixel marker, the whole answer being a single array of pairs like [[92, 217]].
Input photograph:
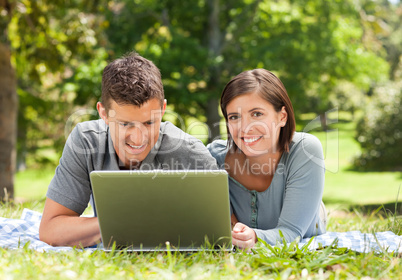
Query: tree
[[311, 45], [58, 54], [8, 107], [379, 132], [315, 45], [48, 42], [381, 23], [59, 48], [189, 42]]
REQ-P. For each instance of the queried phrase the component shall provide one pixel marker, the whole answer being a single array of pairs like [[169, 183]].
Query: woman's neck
[[257, 165], [266, 163]]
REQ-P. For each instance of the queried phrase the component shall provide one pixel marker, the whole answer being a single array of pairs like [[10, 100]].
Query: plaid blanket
[[18, 233], [24, 232]]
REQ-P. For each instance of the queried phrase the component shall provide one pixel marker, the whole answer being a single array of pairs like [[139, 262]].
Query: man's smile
[[133, 149]]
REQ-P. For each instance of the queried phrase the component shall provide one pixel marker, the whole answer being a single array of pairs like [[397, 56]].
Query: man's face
[[134, 130]]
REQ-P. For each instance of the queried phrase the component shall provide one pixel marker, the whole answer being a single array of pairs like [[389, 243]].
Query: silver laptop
[[184, 210]]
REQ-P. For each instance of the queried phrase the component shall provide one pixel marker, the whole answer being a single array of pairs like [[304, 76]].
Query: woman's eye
[[233, 118], [257, 114]]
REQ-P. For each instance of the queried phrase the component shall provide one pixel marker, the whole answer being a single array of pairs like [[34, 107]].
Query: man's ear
[[283, 116], [164, 107], [102, 112]]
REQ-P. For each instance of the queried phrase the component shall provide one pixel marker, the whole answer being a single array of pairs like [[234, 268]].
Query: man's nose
[[137, 134]]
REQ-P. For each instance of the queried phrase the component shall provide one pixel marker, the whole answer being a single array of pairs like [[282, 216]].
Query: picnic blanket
[[24, 232]]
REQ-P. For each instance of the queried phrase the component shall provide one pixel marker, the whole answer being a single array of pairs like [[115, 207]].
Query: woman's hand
[[243, 236], [233, 221]]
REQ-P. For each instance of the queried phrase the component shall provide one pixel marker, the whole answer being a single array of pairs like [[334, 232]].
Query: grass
[[265, 262], [345, 186], [290, 264], [31, 184]]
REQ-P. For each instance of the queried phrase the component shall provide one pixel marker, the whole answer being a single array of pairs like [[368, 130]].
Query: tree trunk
[[323, 119], [213, 119], [8, 124], [214, 49], [393, 58]]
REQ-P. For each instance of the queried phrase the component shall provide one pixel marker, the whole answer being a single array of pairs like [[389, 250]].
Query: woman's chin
[[250, 152]]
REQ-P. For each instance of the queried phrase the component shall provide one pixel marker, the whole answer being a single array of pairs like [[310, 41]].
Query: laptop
[[159, 210]]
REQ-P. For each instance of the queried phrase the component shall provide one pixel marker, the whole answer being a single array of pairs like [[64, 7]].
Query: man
[[129, 135]]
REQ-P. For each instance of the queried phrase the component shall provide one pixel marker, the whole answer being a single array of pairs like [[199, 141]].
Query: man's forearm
[[70, 231]]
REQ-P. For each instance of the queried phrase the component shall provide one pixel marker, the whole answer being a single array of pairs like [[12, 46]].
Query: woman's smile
[[249, 141], [254, 124]]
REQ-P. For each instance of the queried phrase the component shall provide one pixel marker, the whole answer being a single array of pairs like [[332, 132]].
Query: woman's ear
[[283, 117], [102, 112]]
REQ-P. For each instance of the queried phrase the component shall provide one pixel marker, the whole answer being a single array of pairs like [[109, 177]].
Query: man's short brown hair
[[131, 80]]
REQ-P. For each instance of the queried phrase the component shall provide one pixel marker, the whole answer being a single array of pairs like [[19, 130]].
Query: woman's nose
[[246, 124]]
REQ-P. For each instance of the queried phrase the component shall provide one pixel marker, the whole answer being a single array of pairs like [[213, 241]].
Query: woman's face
[[254, 124]]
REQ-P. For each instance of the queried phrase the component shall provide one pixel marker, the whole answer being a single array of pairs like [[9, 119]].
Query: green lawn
[[345, 186], [32, 184]]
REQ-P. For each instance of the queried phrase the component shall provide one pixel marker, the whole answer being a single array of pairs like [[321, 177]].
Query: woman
[[276, 175]]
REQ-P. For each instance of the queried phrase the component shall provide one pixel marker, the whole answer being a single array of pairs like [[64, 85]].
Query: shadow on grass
[[353, 168], [341, 123], [386, 209]]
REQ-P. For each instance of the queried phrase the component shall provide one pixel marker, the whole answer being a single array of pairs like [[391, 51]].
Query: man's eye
[[149, 123], [124, 124]]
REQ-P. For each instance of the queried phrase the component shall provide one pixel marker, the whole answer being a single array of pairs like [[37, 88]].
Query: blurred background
[[339, 60]]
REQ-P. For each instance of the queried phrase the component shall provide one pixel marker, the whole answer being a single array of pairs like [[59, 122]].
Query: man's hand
[[243, 236]]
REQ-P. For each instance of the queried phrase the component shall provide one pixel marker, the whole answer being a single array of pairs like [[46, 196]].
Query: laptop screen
[[142, 210]]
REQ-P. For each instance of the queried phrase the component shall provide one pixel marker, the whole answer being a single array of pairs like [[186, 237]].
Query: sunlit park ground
[[344, 187]]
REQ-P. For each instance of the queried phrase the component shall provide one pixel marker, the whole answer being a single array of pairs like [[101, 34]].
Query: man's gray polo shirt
[[89, 147]]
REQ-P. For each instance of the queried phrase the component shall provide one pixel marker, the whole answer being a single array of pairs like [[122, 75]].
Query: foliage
[[381, 22], [315, 45], [311, 45], [51, 41], [379, 132], [60, 49], [347, 97], [196, 45]]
